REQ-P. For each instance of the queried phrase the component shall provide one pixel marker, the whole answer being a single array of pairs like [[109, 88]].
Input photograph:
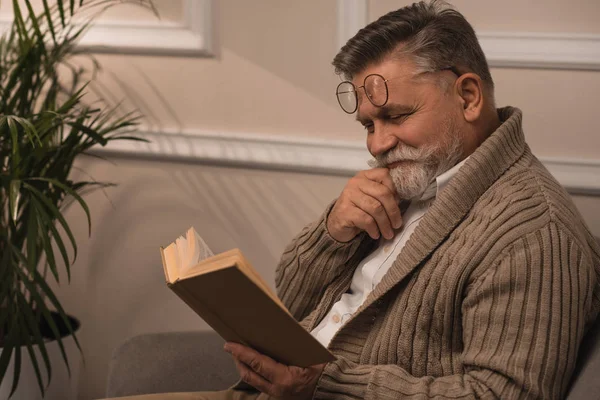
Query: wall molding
[[335, 157], [572, 51], [351, 16], [190, 37]]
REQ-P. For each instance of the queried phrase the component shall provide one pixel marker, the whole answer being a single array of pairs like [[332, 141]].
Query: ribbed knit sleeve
[[523, 319], [311, 262]]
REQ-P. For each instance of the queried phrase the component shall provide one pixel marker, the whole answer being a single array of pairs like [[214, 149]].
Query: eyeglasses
[[375, 88]]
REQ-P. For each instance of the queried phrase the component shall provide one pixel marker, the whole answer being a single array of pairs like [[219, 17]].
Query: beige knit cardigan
[[489, 298]]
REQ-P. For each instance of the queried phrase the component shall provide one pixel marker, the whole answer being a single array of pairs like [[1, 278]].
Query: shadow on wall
[[306, 35], [253, 210], [119, 289]]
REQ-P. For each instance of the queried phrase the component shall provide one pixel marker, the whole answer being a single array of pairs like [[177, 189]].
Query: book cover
[[227, 292]]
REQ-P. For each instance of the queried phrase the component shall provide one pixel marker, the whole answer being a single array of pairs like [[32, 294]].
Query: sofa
[[196, 361], [170, 362]]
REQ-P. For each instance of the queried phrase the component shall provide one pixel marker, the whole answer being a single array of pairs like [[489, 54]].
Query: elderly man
[[456, 267]]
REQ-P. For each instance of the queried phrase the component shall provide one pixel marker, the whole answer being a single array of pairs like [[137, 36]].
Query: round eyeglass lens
[[346, 95], [376, 89]]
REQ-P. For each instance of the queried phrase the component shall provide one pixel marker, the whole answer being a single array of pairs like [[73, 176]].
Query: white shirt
[[372, 268]]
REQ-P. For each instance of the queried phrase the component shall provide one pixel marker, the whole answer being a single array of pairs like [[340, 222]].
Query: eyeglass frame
[[387, 93]]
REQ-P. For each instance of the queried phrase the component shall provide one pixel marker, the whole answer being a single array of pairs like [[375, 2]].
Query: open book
[[234, 300]]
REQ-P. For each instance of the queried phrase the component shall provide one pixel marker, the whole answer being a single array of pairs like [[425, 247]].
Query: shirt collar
[[441, 182]]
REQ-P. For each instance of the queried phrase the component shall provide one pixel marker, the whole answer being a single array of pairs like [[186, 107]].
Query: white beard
[[423, 164]]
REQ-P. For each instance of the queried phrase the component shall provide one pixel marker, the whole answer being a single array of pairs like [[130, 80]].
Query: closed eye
[[397, 116]]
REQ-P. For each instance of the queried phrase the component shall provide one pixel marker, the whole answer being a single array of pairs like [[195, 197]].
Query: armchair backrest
[[585, 383], [586, 377]]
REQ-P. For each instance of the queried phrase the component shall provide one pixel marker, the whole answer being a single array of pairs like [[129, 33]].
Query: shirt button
[[386, 249], [336, 318]]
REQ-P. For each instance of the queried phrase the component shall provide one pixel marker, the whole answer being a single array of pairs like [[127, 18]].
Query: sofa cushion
[[170, 362]]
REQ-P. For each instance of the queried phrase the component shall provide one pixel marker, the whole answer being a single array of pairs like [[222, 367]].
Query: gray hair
[[433, 34]]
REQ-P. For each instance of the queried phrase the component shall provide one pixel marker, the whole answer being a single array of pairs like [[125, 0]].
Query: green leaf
[[49, 252], [24, 41], [34, 362], [90, 132], [55, 213], [44, 221], [132, 138], [12, 348], [63, 251], [17, 369], [36, 26], [39, 280], [71, 102], [33, 290], [29, 130], [33, 287], [49, 225], [14, 198], [62, 12], [48, 14], [7, 282], [19, 255], [14, 133], [38, 340], [131, 118], [32, 240], [74, 34], [93, 155], [16, 77], [10, 344], [73, 193]]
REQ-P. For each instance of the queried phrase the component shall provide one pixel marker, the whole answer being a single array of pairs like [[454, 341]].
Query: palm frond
[[45, 124]]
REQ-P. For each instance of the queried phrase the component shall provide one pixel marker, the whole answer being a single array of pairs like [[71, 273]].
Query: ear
[[469, 88]]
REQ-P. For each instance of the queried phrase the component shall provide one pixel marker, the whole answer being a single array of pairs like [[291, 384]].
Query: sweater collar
[[440, 182], [484, 166]]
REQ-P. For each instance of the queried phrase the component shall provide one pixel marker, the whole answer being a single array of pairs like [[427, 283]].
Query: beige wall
[[168, 10], [516, 15], [271, 75], [118, 288], [282, 83]]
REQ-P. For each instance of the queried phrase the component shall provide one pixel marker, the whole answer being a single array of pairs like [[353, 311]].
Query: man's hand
[[369, 202], [270, 377]]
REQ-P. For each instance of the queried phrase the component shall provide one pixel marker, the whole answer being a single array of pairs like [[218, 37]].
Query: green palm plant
[[44, 125]]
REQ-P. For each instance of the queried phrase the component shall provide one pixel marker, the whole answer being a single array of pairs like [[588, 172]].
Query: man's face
[[416, 134]]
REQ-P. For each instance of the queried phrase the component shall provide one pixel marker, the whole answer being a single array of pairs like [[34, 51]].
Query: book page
[[191, 249]]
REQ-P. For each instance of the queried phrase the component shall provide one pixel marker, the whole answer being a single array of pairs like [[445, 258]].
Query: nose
[[380, 141]]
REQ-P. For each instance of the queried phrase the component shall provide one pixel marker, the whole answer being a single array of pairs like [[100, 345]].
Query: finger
[[259, 363], [382, 175], [376, 210], [252, 378], [363, 221], [382, 194]]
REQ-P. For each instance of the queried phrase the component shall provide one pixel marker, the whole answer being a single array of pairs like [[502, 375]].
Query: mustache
[[403, 153]]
